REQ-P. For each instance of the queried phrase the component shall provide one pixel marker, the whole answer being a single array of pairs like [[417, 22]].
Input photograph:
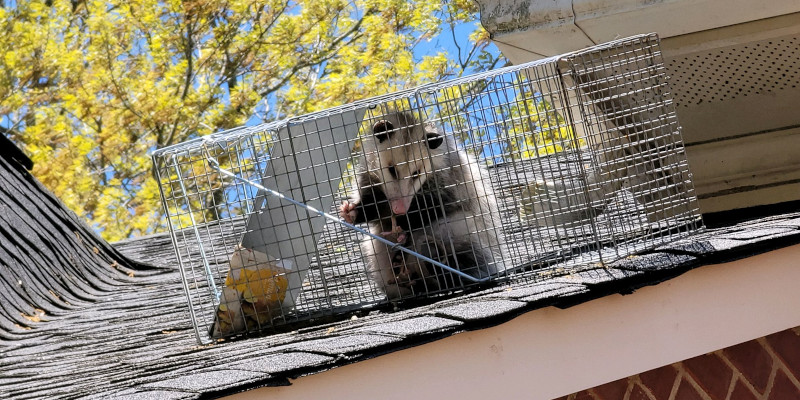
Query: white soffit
[[526, 30]]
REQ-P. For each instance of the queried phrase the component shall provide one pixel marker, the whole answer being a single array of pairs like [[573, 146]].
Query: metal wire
[[392, 245], [513, 175]]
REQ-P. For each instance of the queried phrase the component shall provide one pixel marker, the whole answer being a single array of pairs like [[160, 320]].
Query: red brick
[[687, 392], [639, 394], [660, 381], [752, 361], [584, 395], [783, 388], [612, 390], [787, 346], [741, 392], [711, 373]]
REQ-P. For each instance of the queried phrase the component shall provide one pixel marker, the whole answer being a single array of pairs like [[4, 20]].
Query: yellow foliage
[[89, 88]]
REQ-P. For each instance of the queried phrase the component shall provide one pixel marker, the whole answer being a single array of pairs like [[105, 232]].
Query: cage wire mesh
[[565, 162]]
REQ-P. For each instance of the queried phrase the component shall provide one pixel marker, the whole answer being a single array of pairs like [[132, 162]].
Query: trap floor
[[534, 248]]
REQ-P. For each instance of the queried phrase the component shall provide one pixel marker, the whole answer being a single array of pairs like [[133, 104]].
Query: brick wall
[[766, 368]]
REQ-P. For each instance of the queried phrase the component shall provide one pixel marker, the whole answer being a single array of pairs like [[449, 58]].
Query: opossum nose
[[400, 206], [397, 207]]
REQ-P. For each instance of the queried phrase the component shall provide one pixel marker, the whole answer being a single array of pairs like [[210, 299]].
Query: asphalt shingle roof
[[80, 318]]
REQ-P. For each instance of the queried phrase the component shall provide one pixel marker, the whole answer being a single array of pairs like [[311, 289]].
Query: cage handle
[[393, 246]]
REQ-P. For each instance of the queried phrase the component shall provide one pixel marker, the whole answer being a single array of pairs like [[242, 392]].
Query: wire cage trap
[[560, 162]]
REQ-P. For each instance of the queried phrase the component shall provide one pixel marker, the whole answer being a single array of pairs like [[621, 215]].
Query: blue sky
[[443, 41]]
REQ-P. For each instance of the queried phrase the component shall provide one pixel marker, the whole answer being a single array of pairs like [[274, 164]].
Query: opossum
[[417, 188]]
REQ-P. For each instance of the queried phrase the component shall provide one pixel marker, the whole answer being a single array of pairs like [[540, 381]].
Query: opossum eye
[[415, 174], [392, 171], [434, 140], [381, 130]]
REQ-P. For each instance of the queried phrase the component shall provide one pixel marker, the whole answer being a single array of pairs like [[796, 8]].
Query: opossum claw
[[398, 231], [397, 235], [348, 212]]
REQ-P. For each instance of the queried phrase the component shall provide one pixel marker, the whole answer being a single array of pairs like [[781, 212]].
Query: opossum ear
[[381, 130], [434, 140]]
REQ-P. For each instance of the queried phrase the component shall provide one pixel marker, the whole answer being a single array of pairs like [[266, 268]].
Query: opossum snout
[[400, 206]]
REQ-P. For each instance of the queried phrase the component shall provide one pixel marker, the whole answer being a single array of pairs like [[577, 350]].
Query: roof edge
[[10, 151]]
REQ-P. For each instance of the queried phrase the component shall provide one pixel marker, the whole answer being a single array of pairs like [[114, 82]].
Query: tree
[[88, 88]]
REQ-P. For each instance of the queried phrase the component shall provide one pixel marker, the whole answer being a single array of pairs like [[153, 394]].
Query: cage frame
[[231, 137]]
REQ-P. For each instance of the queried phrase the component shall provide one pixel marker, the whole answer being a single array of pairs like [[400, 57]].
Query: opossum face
[[403, 162]]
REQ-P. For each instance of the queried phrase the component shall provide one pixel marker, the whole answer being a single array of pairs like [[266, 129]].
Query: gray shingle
[[480, 309], [143, 395], [283, 362], [345, 344], [209, 380], [413, 326]]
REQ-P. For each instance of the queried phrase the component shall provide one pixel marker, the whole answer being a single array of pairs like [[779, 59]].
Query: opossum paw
[[398, 235], [348, 212]]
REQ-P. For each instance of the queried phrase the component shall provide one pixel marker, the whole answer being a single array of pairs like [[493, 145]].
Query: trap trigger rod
[[394, 246]]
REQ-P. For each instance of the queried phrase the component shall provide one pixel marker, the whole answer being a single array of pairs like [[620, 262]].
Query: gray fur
[[453, 218]]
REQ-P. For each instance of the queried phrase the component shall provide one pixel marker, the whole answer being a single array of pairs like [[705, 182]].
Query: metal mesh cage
[[495, 177]]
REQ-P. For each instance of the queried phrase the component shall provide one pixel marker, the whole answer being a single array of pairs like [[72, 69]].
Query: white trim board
[[552, 352]]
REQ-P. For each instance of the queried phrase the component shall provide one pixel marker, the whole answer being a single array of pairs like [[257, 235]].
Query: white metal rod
[[394, 246]]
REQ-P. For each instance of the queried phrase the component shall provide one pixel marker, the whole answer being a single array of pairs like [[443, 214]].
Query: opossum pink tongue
[[400, 206]]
